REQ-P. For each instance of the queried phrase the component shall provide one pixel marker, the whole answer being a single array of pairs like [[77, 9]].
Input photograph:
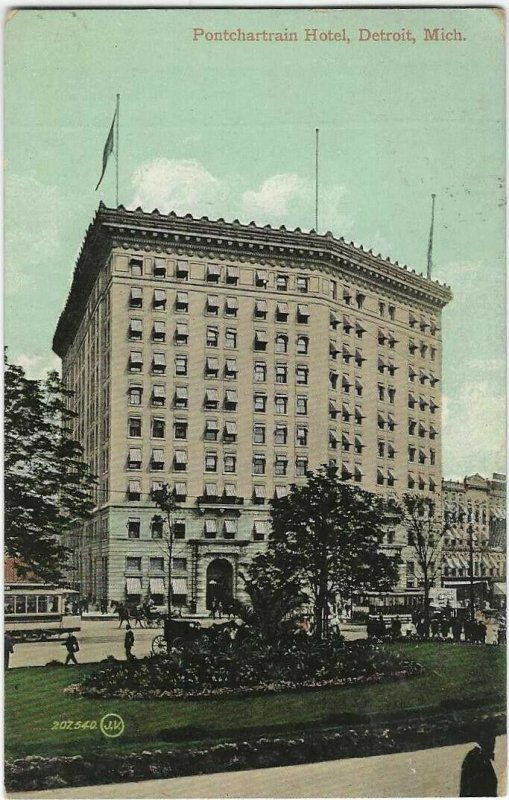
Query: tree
[[47, 483], [165, 501], [327, 536], [271, 598], [425, 534]]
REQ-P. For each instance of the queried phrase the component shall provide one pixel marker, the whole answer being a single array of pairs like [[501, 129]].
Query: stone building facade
[[226, 360], [476, 507]]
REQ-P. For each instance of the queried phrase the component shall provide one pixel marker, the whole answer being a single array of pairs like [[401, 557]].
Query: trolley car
[[34, 612]]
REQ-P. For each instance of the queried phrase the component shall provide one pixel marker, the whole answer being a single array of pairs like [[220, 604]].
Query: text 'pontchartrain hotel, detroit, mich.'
[[226, 360]]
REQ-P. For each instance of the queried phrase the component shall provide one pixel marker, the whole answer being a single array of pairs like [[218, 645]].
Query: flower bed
[[217, 670]]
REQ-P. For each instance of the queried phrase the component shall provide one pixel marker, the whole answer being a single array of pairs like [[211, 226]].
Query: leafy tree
[[425, 534], [272, 598], [327, 536], [47, 483], [165, 501]]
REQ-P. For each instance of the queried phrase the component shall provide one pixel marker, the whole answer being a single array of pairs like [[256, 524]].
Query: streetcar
[[34, 612]]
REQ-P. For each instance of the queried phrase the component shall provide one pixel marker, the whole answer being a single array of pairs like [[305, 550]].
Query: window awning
[[499, 588], [232, 272], [159, 391], [231, 365], [180, 456], [211, 489], [213, 269], [158, 455], [261, 275], [281, 491], [179, 585], [156, 585], [211, 526], [333, 318], [231, 428], [182, 266], [211, 395], [134, 454], [134, 487], [133, 585], [135, 324], [136, 293], [303, 310], [230, 526], [345, 440], [182, 297], [260, 526], [332, 407], [230, 490], [213, 300], [159, 326], [261, 306], [180, 489], [212, 425], [212, 363], [259, 491], [261, 336], [135, 357], [359, 328], [159, 359], [231, 396], [159, 295], [345, 410], [182, 329], [181, 392], [232, 302], [282, 308]]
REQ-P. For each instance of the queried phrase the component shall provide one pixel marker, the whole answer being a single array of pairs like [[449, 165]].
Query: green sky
[[227, 129]]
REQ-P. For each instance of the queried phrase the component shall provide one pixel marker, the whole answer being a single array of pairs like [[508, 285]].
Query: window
[[381, 391], [346, 354], [179, 529], [158, 395], [282, 312], [261, 278], [211, 367], [302, 435], [260, 310], [280, 434], [230, 462], [432, 457], [358, 388], [212, 305], [180, 490], [159, 331], [281, 404], [301, 405], [280, 465], [281, 373], [302, 284], [333, 380], [213, 273], [259, 433], [211, 430], [412, 347], [133, 528], [231, 307], [392, 313], [411, 401], [158, 428], [180, 429], [381, 309], [182, 270], [180, 461], [159, 268], [134, 395], [303, 345], [156, 529], [133, 563], [134, 458], [230, 338], [136, 297], [210, 490], [301, 374], [333, 289], [230, 368], [411, 481], [381, 448], [156, 564], [181, 333], [391, 452], [259, 464], [412, 319], [333, 320], [180, 365], [301, 467], [230, 400], [281, 343], [134, 490], [211, 462], [259, 530], [229, 528], [411, 454], [347, 296], [345, 384], [182, 301], [135, 330], [302, 314], [380, 477], [211, 399], [232, 276], [359, 359], [260, 371], [230, 431], [136, 267], [210, 528], [347, 324], [259, 495], [157, 459], [260, 402], [135, 363], [359, 299], [261, 339], [134, 426], [159, 300], [333, 440], [381, 337], [281, 283], [391, 391], [180, 397]]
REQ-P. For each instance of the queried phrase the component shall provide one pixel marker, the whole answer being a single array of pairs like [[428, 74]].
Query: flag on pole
[[108, 149]]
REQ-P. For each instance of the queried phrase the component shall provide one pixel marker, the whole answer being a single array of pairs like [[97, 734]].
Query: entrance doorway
[[219, 583]]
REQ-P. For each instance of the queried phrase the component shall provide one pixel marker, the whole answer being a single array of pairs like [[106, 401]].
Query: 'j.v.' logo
[[112, 725]]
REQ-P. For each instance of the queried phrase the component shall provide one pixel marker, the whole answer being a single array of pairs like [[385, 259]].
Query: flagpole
[[316, 180], [116, 148]]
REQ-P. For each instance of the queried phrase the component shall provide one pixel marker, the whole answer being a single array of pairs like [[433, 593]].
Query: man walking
[[478, 777], [72, 647], [128, 642], [8, 649]]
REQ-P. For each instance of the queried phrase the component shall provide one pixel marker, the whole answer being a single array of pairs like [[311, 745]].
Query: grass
[[455, 676]]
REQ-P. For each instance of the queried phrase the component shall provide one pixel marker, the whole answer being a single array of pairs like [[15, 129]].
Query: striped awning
[[179, 585], [133, 585], [156, 585]]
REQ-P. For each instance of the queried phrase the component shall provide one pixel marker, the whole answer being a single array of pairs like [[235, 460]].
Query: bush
[[216, 668]]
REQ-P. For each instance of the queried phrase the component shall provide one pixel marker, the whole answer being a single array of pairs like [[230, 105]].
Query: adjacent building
[[226, 360]]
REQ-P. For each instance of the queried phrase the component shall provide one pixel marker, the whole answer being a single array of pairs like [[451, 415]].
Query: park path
[[422, 773]]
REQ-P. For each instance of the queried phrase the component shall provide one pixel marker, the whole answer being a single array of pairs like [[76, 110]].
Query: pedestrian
[[371, 626], [72, 647], [8, 648], [435, 627], [501, 632], [478, 777], [123, 615], [137, 616], [128, 642], [396, 628], [456, 627], [483, 630], [380, 626], [444, 628]]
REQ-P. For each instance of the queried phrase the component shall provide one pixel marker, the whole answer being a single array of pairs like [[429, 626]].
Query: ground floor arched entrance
[[219, 583]]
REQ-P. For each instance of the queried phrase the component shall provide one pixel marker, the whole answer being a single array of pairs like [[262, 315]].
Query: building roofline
[[229, 240]]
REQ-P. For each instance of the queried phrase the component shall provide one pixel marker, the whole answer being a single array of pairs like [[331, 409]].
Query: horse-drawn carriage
[[176, 631]]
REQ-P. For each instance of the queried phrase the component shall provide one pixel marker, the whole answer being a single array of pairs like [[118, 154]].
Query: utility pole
[[471, 570]]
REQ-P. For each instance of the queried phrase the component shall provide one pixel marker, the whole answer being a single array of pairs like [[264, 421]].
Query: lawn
[[455, 676]]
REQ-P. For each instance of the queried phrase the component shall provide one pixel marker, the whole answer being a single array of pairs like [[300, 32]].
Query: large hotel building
[[226, 360]]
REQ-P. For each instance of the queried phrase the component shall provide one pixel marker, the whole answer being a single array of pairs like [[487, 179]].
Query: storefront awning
[[133, 586], [156, 585], [499, 588]]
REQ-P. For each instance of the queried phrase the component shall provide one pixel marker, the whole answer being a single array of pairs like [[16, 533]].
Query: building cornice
[[232, 241]]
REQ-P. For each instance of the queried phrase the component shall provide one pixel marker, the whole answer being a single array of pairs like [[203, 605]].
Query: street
[[422, 773]]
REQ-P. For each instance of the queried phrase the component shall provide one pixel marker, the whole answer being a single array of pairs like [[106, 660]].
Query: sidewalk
[[421, 773]]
